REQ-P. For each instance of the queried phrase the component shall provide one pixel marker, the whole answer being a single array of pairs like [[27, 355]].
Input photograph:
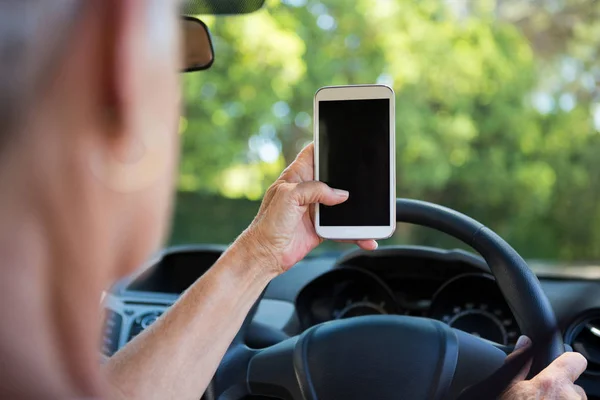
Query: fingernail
[[376, 246], [341, 193], [523, 341]]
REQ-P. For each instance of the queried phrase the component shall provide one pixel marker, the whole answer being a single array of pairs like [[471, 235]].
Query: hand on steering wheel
[[555, 382]]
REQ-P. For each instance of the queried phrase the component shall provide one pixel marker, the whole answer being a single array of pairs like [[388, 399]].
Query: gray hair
[[32, 32]]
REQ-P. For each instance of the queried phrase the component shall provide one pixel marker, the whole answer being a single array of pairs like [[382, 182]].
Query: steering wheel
[[391, 356]]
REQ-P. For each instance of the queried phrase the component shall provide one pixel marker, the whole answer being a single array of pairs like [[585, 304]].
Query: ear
[[141, 91]]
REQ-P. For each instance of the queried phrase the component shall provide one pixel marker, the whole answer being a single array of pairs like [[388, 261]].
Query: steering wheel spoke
[[229, 381], [272, 372]]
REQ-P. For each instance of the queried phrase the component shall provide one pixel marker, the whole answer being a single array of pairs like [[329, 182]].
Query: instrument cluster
[[471, 302]]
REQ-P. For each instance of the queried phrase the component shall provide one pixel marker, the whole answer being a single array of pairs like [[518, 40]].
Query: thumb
[[306, 193], [514, 370], [522, 345]]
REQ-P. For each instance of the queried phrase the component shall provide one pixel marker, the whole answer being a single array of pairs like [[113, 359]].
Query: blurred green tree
[[498, 112]]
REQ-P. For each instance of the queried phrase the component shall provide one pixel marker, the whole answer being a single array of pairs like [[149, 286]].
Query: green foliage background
[[498, 112]]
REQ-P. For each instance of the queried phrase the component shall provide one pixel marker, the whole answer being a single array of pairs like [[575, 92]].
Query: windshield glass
[[498, 113]]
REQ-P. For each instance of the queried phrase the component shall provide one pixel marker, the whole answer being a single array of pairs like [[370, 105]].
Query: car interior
[[452, 286], [347, 323]]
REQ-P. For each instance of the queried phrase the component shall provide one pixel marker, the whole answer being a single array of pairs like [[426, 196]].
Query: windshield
[[498, 113]]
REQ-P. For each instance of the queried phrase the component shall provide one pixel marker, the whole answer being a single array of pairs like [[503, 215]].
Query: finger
[[363, 244], [580, 392], [351, 241], [302, 168], [569, 365], [522, 345], [367, 244], [306, 193]]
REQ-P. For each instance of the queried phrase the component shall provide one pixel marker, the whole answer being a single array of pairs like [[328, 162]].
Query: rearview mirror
[[221, 7], [197, 52]]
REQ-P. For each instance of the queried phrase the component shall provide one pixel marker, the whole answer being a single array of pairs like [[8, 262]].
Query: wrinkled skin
[[284, 224], [554, 382]]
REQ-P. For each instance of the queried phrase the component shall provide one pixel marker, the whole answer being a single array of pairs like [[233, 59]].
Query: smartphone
[[354, 136]]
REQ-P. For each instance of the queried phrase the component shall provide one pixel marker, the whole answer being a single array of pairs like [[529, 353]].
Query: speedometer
[[360, 307], [483, 320], [344, 293], [473, 303]]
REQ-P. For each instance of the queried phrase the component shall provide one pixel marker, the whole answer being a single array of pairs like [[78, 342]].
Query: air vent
[[584, 337], [111, 332]]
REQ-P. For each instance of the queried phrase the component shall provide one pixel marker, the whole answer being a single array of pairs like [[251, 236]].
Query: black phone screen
[[354, 155]]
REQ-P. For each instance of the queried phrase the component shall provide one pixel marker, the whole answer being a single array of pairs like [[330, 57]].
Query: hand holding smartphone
[[354, 135]]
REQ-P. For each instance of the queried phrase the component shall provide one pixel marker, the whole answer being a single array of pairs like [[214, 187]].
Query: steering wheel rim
[[518, 284], [287, 370]]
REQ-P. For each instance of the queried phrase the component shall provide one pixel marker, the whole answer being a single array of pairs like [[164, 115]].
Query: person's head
[[89, 113]]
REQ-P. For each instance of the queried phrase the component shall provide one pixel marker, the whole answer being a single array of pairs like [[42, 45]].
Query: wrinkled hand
[[283, 227], [553, 383]]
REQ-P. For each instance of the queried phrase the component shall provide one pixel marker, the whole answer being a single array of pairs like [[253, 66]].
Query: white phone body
[[358, 92]]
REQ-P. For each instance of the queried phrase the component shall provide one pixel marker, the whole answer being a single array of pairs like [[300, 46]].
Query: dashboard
[[452, 286]]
